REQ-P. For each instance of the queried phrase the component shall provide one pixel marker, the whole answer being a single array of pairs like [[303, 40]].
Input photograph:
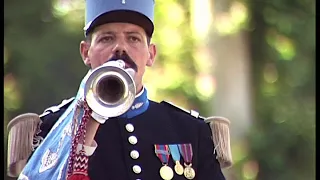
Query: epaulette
[[220, 133], [22, 130], [191, 112], [220, 129]]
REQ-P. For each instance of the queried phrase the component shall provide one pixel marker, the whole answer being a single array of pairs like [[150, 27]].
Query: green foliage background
[[42, 66]]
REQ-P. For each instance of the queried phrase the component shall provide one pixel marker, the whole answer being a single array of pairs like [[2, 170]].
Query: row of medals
[[166, 172]]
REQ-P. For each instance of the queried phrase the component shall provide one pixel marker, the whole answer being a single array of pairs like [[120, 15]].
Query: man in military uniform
[[150, 141]]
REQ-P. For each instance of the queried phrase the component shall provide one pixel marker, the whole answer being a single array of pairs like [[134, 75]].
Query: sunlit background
[[251, 61]]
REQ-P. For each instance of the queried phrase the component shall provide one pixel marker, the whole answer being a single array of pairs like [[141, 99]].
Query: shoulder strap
[[53, 109], [191, 112]]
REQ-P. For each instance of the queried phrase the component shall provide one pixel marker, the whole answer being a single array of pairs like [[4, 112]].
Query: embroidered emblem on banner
[[50, 158]]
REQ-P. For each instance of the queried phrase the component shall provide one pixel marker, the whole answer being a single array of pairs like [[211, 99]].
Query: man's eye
[[106, 39], [134, 39]]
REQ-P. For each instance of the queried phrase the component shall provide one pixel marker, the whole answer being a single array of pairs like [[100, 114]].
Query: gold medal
[[163, 153], [166, 172], [189, 172], [178, 168]]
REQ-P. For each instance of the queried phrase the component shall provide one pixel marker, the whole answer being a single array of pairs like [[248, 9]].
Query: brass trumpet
[[110, 89]]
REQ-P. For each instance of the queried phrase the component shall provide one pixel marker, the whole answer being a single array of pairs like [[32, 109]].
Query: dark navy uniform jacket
[[126, 146]]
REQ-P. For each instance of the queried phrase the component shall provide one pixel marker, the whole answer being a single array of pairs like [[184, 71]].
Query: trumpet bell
[[109, 91]]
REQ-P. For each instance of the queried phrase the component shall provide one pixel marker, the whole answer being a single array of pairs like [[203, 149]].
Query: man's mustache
[[127, 59]]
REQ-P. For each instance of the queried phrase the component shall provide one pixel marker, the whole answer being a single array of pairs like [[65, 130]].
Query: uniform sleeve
[[209, 167]]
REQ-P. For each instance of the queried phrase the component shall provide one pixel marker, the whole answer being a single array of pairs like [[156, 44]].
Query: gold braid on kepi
[[21, 131], [221, 139]]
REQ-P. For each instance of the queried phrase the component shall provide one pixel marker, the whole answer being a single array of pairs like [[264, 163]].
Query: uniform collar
[[139, 106]]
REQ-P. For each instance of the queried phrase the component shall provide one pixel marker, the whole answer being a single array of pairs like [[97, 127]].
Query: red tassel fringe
[[78, 177]]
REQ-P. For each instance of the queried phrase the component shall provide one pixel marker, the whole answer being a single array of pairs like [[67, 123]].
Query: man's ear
[[152, 54], [84, 49]]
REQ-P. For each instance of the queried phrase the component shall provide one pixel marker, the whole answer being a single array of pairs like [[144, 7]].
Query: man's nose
[[119, 48], [119, 52]]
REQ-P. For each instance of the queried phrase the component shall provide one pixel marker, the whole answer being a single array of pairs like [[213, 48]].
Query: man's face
[[116, 40]]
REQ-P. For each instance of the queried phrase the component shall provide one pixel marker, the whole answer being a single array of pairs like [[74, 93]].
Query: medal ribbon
[[174, 150], [162, 151], [186, 152]]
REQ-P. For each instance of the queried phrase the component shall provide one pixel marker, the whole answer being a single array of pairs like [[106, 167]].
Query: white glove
[[98, 118]]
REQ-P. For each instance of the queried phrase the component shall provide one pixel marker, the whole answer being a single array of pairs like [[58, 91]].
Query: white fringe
[[21, 131], [221, 139]]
